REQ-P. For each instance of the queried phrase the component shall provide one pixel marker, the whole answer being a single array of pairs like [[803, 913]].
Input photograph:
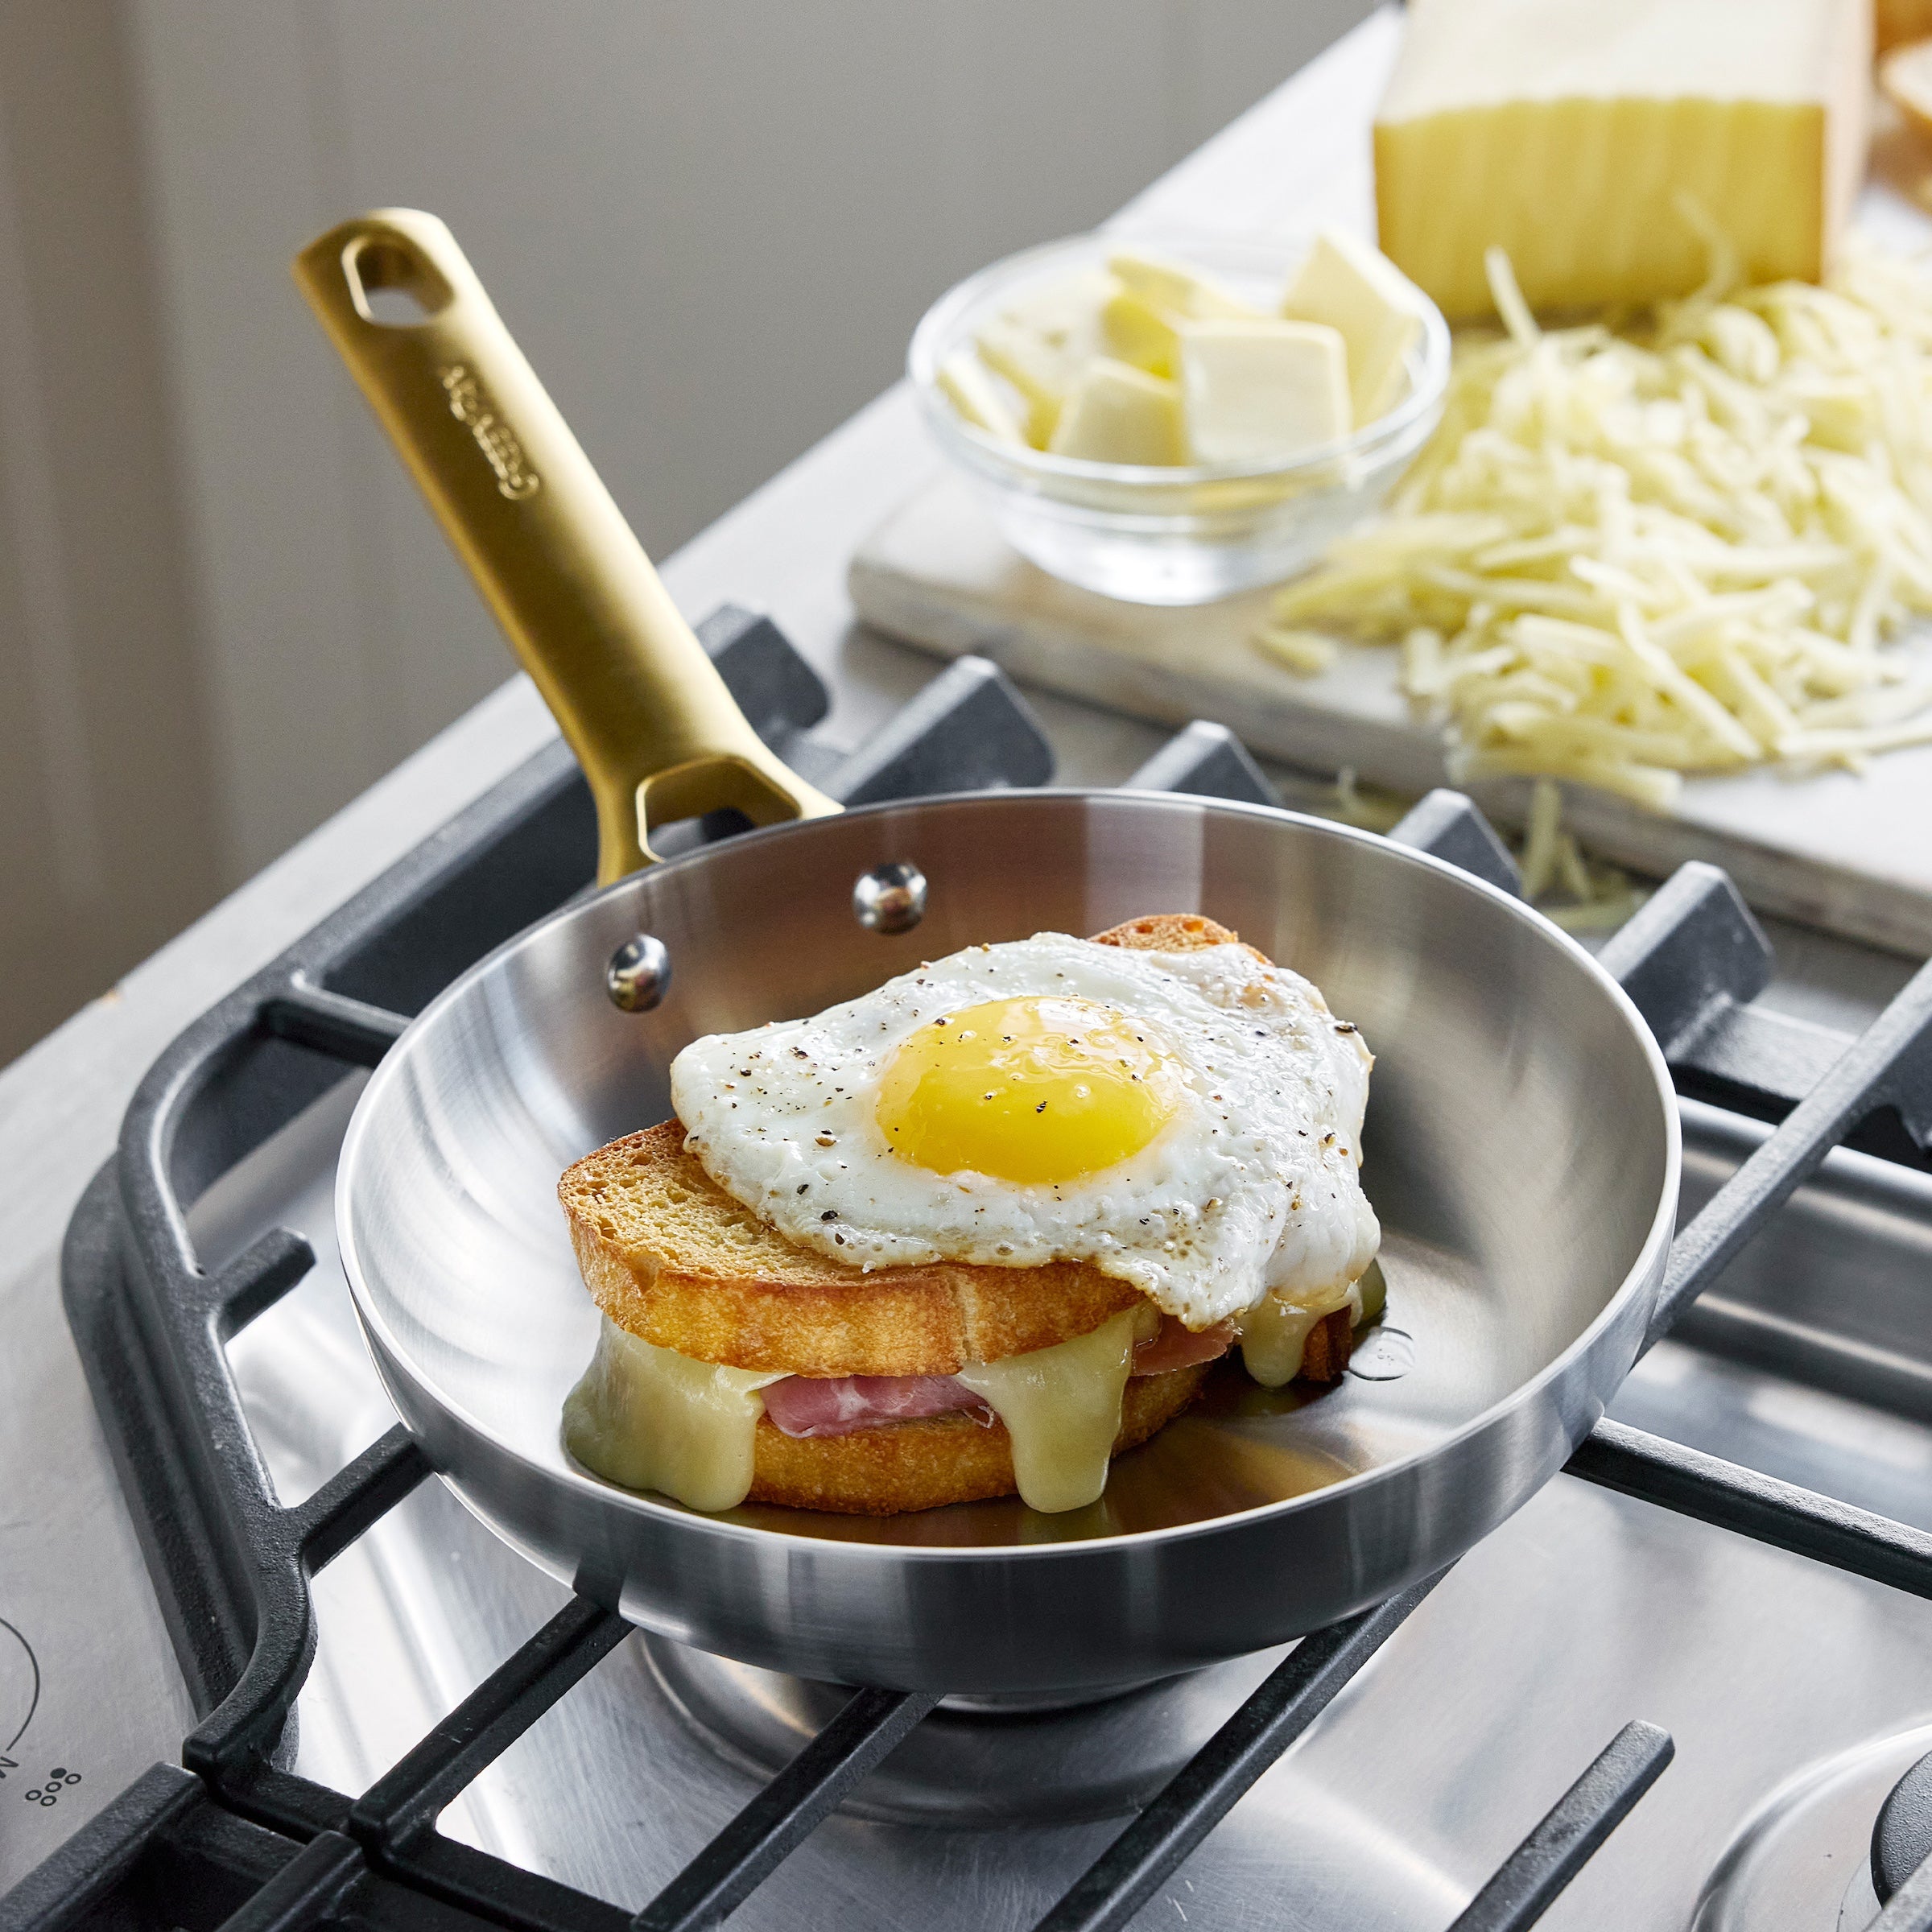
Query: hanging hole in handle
[[391, 285], [706, 788]]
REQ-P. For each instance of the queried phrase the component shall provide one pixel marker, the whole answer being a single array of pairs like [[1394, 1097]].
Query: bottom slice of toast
[[939, 1460]]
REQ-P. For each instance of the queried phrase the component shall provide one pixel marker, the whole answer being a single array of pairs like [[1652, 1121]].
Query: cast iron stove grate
[[235, 1838]]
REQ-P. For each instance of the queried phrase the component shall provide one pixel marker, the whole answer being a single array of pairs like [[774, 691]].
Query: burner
[[1902, 1837], [975, 1760], [1798, 1861]]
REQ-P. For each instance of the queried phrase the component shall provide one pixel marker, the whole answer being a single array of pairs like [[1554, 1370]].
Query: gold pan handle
[[643, 708]]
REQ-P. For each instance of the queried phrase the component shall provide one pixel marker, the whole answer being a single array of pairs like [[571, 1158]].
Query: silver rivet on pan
[[638, 975], [890, 898]]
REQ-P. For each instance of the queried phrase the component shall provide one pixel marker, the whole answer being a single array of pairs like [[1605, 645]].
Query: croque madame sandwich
[[978, 1231]]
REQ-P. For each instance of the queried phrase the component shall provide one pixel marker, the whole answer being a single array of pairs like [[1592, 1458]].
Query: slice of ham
[[1176, 1346], [837, 1405], [814, 1405]]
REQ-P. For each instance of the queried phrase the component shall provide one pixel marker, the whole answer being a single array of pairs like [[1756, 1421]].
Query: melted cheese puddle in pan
[[650, 1419]]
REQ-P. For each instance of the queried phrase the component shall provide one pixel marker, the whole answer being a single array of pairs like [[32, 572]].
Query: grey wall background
[[711, 223]]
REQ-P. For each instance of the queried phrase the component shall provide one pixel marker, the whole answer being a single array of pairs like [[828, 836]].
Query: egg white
[[1250, 1188]]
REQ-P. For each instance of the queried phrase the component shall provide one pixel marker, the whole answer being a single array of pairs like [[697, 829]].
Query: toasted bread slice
[[669, 1256], [1171, 932]]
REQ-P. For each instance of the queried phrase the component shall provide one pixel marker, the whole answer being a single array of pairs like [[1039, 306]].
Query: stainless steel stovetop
[[1797, 1693]]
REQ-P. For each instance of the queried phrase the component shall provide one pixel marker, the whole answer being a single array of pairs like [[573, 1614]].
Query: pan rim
[[1648, 1266]]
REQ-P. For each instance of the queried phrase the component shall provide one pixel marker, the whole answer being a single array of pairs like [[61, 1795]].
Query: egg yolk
[[1032, 1090]]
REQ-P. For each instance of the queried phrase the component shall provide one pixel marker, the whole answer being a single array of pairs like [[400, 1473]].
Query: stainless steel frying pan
[[1521, 1144]]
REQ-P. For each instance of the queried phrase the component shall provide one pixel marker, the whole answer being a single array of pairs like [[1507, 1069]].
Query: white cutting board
[[1847, 852]]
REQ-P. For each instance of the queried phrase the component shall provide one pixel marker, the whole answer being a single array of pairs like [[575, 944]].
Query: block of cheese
[[1362, 295], [1255, 390], [1567, 132], [1116, 414]]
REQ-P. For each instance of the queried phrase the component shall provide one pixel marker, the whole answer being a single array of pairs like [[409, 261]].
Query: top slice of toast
[[667, 1254]]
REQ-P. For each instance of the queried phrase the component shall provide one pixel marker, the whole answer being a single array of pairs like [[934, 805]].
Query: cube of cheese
[[1135, 331], [1041, 370], [1116, 414], [1041, 342], [1061, 311], [1569, 132], [1259, 390], [964, 382], [1362, 295], [1174, 286]]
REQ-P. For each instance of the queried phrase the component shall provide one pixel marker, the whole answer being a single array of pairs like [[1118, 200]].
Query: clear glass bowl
[[1181, 534]]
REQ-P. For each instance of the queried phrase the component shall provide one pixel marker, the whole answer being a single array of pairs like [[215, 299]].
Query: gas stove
[[401, 1722]]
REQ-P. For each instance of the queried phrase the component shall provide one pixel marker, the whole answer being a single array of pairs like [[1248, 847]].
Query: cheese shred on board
[[1678, 544]]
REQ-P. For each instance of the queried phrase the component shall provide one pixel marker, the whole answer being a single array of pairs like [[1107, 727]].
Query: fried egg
[[1188, 1121]]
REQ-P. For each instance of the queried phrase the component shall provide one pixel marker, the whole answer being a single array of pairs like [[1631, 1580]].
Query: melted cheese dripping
[[650, 1418], [1274, 1333], [1062, 1408]]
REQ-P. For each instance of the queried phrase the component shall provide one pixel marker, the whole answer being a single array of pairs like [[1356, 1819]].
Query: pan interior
[[1517, 1147]]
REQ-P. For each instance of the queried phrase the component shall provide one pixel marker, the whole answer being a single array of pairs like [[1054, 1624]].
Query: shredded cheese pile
[[1676, 545], [1580, 894]]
